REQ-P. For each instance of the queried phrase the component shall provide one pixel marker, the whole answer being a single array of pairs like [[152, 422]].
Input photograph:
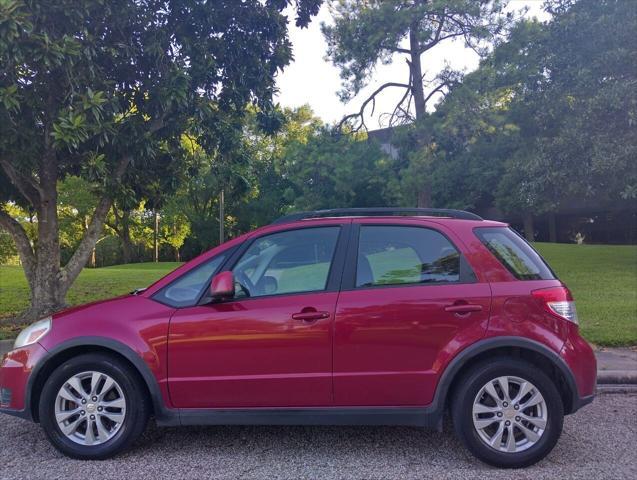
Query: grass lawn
[[92, 284], [603, 280]]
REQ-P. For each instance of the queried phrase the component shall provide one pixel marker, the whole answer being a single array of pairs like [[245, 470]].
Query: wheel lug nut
[[92, 417], [82, 412], [83, 401], [94, 399], [517, 407], [99, 409], [507, 423], [517, 419], [499, 414], [505, 404]]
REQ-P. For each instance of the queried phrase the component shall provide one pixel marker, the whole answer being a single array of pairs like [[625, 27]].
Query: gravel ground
[[600, 441]]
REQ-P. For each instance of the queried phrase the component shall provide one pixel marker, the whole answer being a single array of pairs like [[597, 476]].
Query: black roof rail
[[378, 212]]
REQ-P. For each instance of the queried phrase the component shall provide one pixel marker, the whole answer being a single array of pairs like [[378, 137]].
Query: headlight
[[33, 333]]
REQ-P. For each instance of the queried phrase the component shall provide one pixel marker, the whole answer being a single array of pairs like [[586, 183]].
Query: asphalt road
[[600, 441]]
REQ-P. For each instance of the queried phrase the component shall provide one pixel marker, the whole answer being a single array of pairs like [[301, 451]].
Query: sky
[[312, 79]]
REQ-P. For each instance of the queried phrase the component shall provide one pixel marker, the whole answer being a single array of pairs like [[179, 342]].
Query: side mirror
[[222, 286]]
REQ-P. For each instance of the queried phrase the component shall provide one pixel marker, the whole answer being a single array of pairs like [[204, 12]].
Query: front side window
[[286, 262], [514, 253], [187, 289], [394, 255]]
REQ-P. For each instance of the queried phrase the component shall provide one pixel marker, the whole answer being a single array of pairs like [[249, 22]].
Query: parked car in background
[[339, 317]]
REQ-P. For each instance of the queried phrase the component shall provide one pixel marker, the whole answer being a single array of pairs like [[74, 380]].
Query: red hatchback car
[[339, 317]]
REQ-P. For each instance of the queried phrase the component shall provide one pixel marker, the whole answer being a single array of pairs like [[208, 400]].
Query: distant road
[[598, 442]]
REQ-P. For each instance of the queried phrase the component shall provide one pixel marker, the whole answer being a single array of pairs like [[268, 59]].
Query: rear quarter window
[[514, 253]]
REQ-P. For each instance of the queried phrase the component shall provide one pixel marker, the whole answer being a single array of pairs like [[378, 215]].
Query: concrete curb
[[5, 346], [617, 377], [604, 377]]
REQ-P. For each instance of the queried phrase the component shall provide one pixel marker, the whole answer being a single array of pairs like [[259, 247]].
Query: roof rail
[[378, 212]]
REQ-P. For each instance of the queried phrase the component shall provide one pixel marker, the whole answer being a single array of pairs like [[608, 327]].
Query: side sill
[[24, 414], [406, 416]]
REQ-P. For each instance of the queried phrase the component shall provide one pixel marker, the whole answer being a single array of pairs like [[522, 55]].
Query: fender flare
[[160, 410], [463, 359]]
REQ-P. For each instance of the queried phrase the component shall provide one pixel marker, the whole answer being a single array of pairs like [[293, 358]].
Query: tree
[[581, 106], [268, 176], [546, 120], [91, 87], [332, 170], [367, 32]]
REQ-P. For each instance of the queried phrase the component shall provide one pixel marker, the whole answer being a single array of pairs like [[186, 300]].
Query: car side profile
[[335, 317]]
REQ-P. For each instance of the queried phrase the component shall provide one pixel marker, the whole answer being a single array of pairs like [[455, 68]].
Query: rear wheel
[[93, 407], [508, 413]]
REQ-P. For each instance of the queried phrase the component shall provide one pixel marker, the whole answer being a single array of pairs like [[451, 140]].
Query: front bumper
[[15, 371]]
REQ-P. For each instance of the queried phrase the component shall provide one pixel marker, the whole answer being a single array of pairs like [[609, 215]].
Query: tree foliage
[[547, 118], [366, 33], [93, 88]]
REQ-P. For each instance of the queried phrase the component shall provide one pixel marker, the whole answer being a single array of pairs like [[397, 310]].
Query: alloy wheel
[[90, 408], [509, 414]]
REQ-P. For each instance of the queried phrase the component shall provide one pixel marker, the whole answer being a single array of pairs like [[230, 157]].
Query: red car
[[339, 317]]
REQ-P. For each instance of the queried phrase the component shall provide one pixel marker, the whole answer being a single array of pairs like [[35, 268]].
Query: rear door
[[409, 301]]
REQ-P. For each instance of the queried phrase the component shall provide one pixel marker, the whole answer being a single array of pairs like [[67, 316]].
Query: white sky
[[314, 80]]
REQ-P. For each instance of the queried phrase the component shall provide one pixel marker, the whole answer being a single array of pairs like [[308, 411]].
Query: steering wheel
[[244, 282]]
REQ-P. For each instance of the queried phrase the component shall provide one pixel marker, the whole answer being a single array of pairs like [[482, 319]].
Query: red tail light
[[558, 301]]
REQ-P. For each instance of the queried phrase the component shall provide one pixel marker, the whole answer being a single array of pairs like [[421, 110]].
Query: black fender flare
[[159, 408], [463, 359]]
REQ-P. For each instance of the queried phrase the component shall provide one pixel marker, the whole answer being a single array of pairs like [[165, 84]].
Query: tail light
[[558, 301]]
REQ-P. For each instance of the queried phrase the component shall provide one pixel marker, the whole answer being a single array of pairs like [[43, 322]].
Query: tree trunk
[[156, 239], [48, 280], [528, 227], [48, 289], [124, 235], [415, 66], [222, 217], [177, 255], [552, 228], [417, 90]]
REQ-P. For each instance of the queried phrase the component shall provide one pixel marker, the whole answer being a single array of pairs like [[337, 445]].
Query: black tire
[[137, 407], [462, 408]]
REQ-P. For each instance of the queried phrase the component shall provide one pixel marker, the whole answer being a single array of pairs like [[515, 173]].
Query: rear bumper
[[15, 370], [581, 361]]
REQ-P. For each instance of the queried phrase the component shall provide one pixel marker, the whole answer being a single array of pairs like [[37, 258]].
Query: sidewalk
[[615, 366]]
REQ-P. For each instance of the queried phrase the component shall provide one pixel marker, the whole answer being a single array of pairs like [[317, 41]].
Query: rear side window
[[514, 253], [389, 255]]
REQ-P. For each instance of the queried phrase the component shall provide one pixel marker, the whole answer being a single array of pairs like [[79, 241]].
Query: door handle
[[310, 316], [464, 308]]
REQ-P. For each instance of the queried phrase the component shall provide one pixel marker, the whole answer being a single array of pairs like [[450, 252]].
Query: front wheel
[[93, 406], [508, 413]]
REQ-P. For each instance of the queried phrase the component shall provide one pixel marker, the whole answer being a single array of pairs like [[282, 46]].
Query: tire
[[126, 398], [525, 448]]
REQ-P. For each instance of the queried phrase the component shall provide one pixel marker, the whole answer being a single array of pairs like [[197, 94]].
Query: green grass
[[603, 279], [92, 284]]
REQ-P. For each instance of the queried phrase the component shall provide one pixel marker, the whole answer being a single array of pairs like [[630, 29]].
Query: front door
[[411, 300], [270, 346]]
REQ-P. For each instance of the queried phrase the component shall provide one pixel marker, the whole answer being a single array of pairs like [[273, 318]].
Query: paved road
[[598, 442]]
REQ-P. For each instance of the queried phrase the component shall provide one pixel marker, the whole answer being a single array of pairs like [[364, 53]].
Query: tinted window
[[514, 253], [397, 255], [186, 290], [287, 262]]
